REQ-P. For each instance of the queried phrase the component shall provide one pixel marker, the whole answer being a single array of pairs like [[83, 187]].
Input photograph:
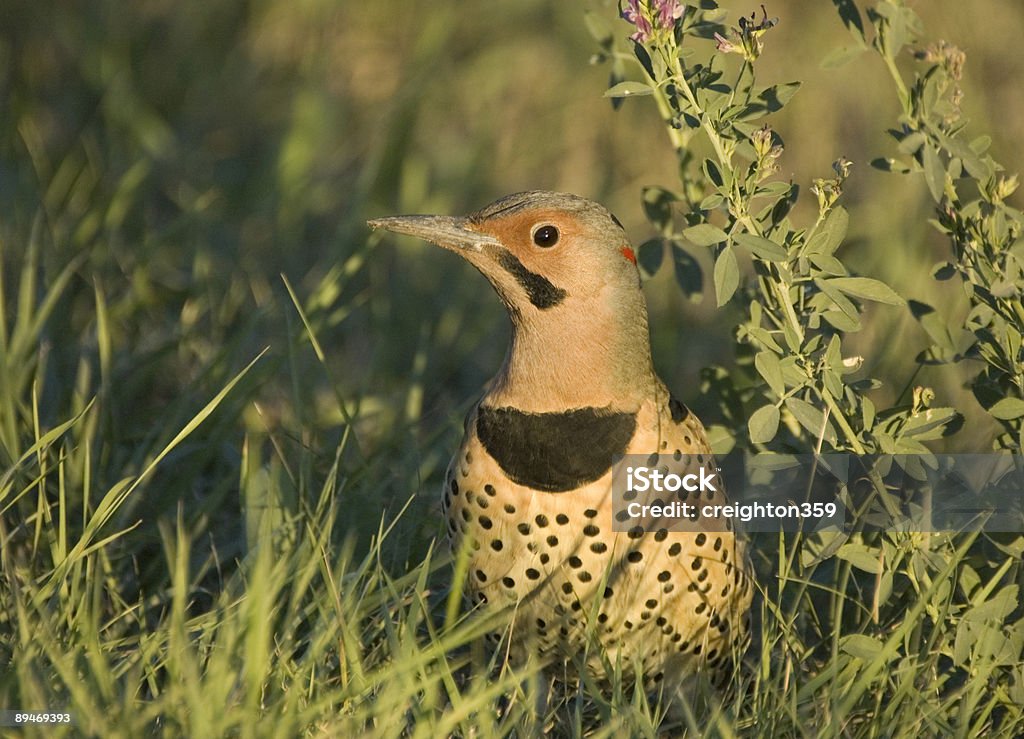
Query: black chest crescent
[[554, 452]]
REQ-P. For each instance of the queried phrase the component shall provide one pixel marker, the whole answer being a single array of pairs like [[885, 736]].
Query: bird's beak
[[451, 233]]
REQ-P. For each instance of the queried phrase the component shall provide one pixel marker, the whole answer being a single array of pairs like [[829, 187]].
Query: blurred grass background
[[184, 156], [186, 184]]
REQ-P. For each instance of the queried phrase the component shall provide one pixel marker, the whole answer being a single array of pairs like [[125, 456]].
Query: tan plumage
[[529, 491]]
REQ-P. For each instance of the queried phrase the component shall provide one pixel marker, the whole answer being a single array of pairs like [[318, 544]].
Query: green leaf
[[861, 646], [867, 413], [841, 56], [888, 164], [688, 273], [842, 321], [860, 557], [828, 264], [764, 424], [658, 203], [714, 174], [831, 233], [727, 276], [934, 172], [761, 247], [720, 439], [1008, 409], [976, 167], [770, 100], [704, 234], [779, 94], [769, 367], [931, 423], [599, 27], [867, 289], [912, 142], [650, 256], [997, 607], [838, 299], [628, 89], [850, 15], [980, 145], [811, 419], [712, 201]]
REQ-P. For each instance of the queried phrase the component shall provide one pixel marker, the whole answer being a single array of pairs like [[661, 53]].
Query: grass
[[225, 410]]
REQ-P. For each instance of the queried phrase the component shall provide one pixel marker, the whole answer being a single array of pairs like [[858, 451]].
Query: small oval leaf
[[762, 247], [1008, 409], [704, 234], [764, 424], [727, 276], [770, 369], [861, 646], [866, 288], [628, 89]]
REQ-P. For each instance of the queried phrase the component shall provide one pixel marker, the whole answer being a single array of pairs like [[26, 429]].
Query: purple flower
[[668, 12], [633, 14], [724, 45]]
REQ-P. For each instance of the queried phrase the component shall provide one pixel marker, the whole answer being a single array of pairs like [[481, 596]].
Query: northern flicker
[[528, 494]]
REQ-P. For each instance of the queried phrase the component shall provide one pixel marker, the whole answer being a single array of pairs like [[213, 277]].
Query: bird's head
[[567, 273]]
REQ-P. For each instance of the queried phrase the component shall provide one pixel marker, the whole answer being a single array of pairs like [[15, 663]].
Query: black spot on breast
[[554, 452], [678, 410], [539, 289]]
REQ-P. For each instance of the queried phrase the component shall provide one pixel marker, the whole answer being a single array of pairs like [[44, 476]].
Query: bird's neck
[[600, 358]]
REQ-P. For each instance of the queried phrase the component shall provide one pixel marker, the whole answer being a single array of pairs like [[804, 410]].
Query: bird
[[528, 496]]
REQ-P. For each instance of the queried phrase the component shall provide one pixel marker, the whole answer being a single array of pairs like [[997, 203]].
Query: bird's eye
[[545, 236]]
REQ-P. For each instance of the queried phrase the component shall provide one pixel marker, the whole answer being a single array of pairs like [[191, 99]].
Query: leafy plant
[[865, 616], [970, 191], [798, 387]]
